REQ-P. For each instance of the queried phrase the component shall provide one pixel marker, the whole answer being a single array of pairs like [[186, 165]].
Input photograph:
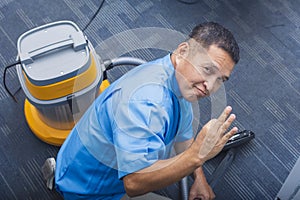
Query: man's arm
[[161, 174], [200, 188], [207, 144]]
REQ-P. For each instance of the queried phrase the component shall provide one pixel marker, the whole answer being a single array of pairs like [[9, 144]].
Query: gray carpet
[[264, 89]]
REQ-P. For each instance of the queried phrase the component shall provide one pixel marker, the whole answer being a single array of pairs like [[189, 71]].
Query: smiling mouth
[[201, 92]]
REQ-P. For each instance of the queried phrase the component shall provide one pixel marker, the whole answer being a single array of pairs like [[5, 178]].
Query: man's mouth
[[200, 91]]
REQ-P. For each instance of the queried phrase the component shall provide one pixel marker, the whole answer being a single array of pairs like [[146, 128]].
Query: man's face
[[201, 72]]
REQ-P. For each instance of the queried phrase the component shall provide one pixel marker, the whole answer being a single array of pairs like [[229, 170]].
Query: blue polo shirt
[[130, 126]]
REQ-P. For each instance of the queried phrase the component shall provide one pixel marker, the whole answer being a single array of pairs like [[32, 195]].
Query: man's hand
[[201, 190], [211, 139]]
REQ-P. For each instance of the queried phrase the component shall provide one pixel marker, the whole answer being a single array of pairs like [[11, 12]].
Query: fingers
[[225, 114], [227, 123], [228, 135]]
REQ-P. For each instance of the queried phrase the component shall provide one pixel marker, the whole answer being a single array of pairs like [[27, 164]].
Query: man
[[123, 142]]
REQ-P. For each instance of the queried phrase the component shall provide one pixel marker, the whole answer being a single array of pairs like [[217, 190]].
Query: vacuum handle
[[77, 40], [239, 139]]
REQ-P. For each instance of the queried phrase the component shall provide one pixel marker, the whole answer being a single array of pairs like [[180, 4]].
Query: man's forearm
[[198, 172], [182, 146], [161, 174]]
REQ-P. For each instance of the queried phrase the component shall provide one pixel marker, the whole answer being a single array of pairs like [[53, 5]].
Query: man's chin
[[192, 98]]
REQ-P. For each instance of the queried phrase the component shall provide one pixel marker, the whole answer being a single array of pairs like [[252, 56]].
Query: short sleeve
[[138, 135]]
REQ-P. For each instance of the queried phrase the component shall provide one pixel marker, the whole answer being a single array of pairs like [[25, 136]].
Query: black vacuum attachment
[[239, 139]]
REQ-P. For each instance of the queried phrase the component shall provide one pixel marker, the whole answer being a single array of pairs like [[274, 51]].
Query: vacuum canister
[[60, 74]]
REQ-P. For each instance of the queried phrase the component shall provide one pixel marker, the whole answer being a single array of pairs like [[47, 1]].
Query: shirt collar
[[172, 81]]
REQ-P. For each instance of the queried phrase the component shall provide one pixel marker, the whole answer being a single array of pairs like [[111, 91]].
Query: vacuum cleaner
[[61, 75]]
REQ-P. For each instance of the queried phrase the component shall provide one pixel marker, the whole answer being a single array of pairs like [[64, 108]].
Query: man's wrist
[[194, 158], [198, 173]]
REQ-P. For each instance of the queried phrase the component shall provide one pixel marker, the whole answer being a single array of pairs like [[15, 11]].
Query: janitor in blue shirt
[[123, 142]]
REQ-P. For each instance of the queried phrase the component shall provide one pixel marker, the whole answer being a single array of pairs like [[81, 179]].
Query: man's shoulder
[[154, 92]]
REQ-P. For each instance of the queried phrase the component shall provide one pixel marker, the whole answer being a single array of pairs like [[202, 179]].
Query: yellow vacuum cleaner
[[61, 76]]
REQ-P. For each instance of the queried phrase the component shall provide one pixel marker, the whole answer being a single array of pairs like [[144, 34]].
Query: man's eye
[[220, 80], [207, 70]]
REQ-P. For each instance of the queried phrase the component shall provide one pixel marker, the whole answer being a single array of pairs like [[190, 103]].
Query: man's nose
[[210, 84], [207, 87]]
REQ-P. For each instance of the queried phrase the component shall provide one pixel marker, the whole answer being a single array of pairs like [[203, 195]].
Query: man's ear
[[183, 49], [181, 52]]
